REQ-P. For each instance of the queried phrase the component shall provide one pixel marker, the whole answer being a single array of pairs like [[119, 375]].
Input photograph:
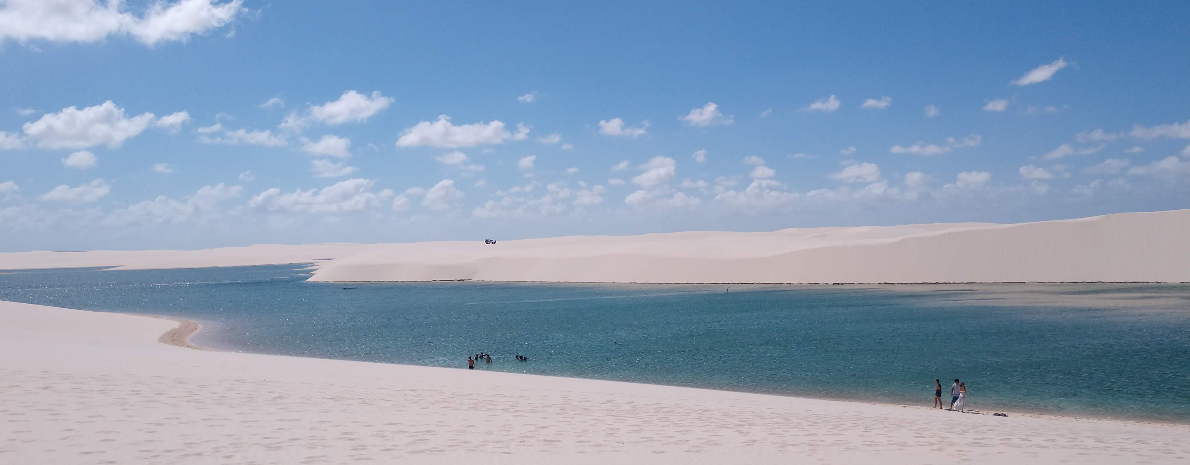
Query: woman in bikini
[[938, 393]]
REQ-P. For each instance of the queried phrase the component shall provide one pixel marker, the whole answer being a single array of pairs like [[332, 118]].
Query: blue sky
[[599, 118]]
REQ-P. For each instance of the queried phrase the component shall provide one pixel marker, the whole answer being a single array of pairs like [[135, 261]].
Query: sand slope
[[1150, 247], [93, 388]]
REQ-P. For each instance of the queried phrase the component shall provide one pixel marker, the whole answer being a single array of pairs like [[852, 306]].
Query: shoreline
[[179, 336], [83, 383]]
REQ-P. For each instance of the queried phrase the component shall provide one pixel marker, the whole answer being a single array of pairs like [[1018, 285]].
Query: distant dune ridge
[[1125, 247]]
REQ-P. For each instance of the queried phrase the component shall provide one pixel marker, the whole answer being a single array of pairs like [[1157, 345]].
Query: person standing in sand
[[961, 405], [954, 393], [938, 393]]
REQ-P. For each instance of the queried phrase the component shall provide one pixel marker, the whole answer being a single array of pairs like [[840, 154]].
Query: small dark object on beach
[[999, 414]]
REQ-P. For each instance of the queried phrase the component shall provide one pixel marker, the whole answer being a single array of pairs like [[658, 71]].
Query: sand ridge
[[89, 387]]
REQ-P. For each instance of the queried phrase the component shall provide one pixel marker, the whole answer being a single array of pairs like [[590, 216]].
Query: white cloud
[[345, 196], [8, 187], [415, 191], [1171, 131], [71, 128], [217, 127], [1049, 109], [766, 113], [442, 196], [174, 121], [826, 104], [328, 169], [1033, 172], [882, 103], [658, 170], [972, 179], [25, 111], [453, 158], [526, 163], [84, 193], [1136, 149], [328, 145], [10, 141], [528, 98], [274, 102], [90, 21], [932, 111], [699, 156], [860, 172], [926, 150], [762, 193], [677, 200], [263, 138], [1066, 150], [550, 139], [567, 147], [996, 105], [246, 176], [1041, 73], [163, 168], [847, 150], [615, 181], [350, 107], [592, 196], [802, 156], [917, 180], [621, 166], [572, 170], [762, 172], [441, 133], [615, 127], [1170, 167], [401, 203], [753, 160], [80, 160], [708, 115], [1109, 166], [691, 184], [1097, 135], [166, 210]]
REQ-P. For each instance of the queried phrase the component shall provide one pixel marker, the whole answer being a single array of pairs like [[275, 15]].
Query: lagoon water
[[1117, 350]]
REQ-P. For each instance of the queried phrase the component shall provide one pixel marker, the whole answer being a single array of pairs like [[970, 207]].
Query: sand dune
[[1149, 247], [83, 387]]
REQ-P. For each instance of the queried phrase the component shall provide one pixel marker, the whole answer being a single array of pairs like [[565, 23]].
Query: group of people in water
[[958, 395], [487, 358]]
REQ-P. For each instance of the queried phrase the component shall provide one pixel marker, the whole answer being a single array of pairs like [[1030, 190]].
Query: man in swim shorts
[[954, 393]]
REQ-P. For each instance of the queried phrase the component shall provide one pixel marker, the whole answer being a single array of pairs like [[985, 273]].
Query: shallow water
[[1119, 350]]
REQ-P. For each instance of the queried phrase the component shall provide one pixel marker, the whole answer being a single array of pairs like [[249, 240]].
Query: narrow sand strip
[[89, 388], [180, 336]]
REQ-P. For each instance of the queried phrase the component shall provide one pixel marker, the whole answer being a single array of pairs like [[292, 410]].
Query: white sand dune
[[1126, 247], [98, 388]]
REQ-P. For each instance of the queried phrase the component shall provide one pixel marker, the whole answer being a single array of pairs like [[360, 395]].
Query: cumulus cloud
[[8, 188], [442, 196], [847, 150], [84, 193], [753, 160], [442, 133], [972, 179], [623, 165], [699, 156], [246, 176], [1041, 73], [708, 115], [163, 168], [167, 210], [92, 21], [825, 104], [329, 169], [932, 111], [859, 172], [274, 102], [615, 127], [329, 146], [996, 105], [762, 172], [616, 181], [1136, 149], [924, 149], [766, 113], [80, 160], [761, 193], [103, 124], [1169, 131], [528, 98], [1170, 167], [352, 106], [589, 197], [1066, 150], [917, 180], [345, 196], [881, 103], [657, 171], [10, 141], [1033, 172], [174, 121], [461, 161], [1109, 166], [526, 163], [401, 203], [550, 139], [691, 184]]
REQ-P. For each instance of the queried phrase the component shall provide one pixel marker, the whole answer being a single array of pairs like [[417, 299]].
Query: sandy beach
[[89, 387], [1126, 247]]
